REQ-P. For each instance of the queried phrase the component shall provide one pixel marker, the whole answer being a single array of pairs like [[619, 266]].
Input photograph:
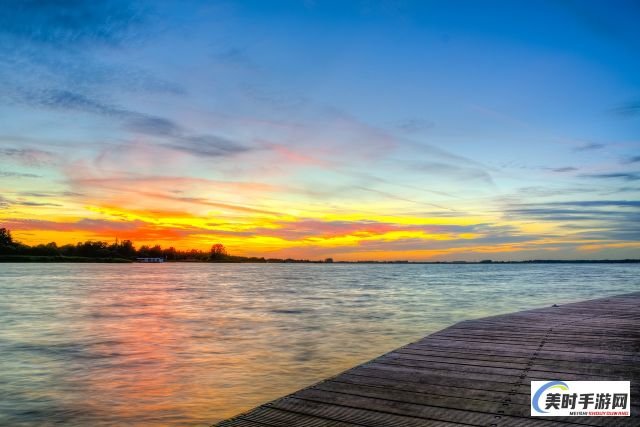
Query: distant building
[[150, 259], [328, 260]]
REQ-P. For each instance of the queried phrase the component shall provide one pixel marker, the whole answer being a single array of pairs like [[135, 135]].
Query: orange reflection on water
[[160, 361], [190, 344]]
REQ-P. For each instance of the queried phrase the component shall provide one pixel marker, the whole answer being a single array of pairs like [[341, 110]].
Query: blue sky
[[319, 128]]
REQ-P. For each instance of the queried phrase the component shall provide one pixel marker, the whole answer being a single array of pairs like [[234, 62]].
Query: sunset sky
[[414, 130]]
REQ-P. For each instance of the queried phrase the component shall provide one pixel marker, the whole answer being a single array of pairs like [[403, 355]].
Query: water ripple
[[190, 344]]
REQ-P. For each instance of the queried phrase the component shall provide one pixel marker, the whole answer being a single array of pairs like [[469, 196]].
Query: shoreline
[[102, 260]]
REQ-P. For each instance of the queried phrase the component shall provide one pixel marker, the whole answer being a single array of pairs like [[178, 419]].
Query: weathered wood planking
[[476, 373]]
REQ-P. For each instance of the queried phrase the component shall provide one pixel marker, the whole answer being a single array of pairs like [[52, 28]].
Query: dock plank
[[476, 373]]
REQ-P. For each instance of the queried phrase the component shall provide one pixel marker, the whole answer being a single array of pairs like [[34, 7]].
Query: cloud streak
[[626, 176], [174, 135], [628, 109], [564, 169], [28, 156], [318, 229], [8, 174], [590, 146]]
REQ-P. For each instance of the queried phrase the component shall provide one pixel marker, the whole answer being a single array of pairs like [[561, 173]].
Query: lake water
[[190, 344]]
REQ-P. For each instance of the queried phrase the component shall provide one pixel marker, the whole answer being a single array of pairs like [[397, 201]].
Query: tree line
[[124, 250]]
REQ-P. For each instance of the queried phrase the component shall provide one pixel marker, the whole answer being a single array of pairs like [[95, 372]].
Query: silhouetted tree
[[50, 249], [92, 248], [218, 252], [170, 254], [143, 252], [155, 252], [125, 249], [5, 237], [67, 250], [7, 246]]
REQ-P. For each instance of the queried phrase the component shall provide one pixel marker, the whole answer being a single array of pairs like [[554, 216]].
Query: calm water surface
[[190, 344]]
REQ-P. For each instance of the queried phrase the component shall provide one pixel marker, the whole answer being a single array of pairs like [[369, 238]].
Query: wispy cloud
[[628, 109], [53, 43], [103, 229], [319, 229], [44, 194], [608, 203], [8, 174], [601, 207], [235, 56], [208, 146], [152, 125], [454, 171], [31, 203], [627, 176], [54, 57], [68, 100], [632, 159], [414, 244], [564, 169], [28, 156], [589, 146], [609, 217], [20, 201], [414, 125], [175, 136], [177, 194], [274, 98]]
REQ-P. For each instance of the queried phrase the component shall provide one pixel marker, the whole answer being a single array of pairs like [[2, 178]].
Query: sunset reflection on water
[[190, 344]]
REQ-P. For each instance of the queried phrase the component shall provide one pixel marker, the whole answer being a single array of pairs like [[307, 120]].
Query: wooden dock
[[476, 373]]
